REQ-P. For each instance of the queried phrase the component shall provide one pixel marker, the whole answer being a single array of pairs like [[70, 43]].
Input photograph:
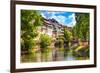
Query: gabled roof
[[52, 22]]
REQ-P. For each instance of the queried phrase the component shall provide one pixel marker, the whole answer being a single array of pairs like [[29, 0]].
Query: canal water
[[51, 55]]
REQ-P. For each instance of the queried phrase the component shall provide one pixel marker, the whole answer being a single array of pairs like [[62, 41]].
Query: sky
[[64, 18]]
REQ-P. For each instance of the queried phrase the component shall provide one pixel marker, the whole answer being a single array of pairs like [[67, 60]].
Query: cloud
[[60, 18], [46, 14], [73, 20], [64, 18]]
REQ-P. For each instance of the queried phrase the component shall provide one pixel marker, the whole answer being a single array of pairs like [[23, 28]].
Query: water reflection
[[51, 55]]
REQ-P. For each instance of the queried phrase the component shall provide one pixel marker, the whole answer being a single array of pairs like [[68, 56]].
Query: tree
[[61, 41], [81, 29], [67, 36], [30, 20], [45, 41]]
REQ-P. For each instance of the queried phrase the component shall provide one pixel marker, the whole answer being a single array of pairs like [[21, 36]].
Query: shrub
[[61, 43], [28, 45], [45, 41]]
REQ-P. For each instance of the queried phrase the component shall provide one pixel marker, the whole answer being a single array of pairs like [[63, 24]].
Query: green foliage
[[81, 29], [61, 42], [45, 41], [67, 35], [30, 20], [82, 51]]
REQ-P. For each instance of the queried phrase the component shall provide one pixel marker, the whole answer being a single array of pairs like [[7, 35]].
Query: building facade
[[52, 28]]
